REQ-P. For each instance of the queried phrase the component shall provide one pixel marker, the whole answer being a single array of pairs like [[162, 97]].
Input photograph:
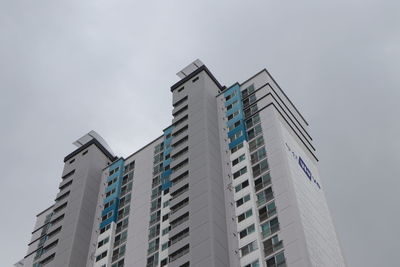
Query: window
[[68, 175], [71, 161], [166, 230], [60, 208], [122, 225], [101, 256], [180, 153], [181, 141], [248, 248], [108, 215], [114, 171], [195, 79], [254, 131], [181, 219], [120, 263], [49, 246], [124, 200], [236, 148], [153, 246], [84, 153], [58, 219], [241, 186], [180, 111], [247, 231], [165, 217], [263, 181], [267, 211], [165, 246], [155, 204], [155, 217], [158, 158], [164, 262], [260, 168], [180, 205], [179, 236], [234, 93], [183, 129], [180, 191], [166, 204], [180, 101], [238, 159], [254, 144], [156, 192], [129, 167], [158, 168], [126, 189], [265, 196], [277, 261], [47, 260], [109, 193], [65, 185], [63, 196], [127, 178], [180, 165], [179, 253], [180, 121], [233, 126], [158, 148], [233, 115], [103, 242], [253, 121], [250, 100], [181, 89], [248, 91], [236, 136], [112, 181], [180, 178], [270, 227], [54, 232], [105, 228], [119, 252], [245, 215], [229, 107], [272, 245], [258, 155], [242, 200], [120, 238], [240, 172], [250, 111], [152, 261], [154, 231], [156, 181], [123, 212], [255, 263]]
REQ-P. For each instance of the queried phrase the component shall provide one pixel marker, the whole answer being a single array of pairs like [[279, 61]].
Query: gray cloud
[[70, 67]]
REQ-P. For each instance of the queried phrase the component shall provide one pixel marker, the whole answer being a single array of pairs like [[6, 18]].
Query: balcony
[[179, 205], [179, 253], [270, 230], [272, 248]]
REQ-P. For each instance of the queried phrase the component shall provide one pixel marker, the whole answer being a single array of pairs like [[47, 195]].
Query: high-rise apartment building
[[233, 181]]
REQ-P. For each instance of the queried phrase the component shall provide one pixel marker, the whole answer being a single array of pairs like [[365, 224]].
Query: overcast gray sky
[[67, 67]]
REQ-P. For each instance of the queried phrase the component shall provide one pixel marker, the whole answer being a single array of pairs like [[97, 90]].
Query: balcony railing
[[271, 230], [271, 249], [265, 199]]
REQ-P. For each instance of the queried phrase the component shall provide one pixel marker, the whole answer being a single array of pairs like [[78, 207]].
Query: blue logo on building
[[303, 166]]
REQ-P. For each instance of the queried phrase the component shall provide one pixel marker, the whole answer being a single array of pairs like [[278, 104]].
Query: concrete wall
[[208, 235]]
